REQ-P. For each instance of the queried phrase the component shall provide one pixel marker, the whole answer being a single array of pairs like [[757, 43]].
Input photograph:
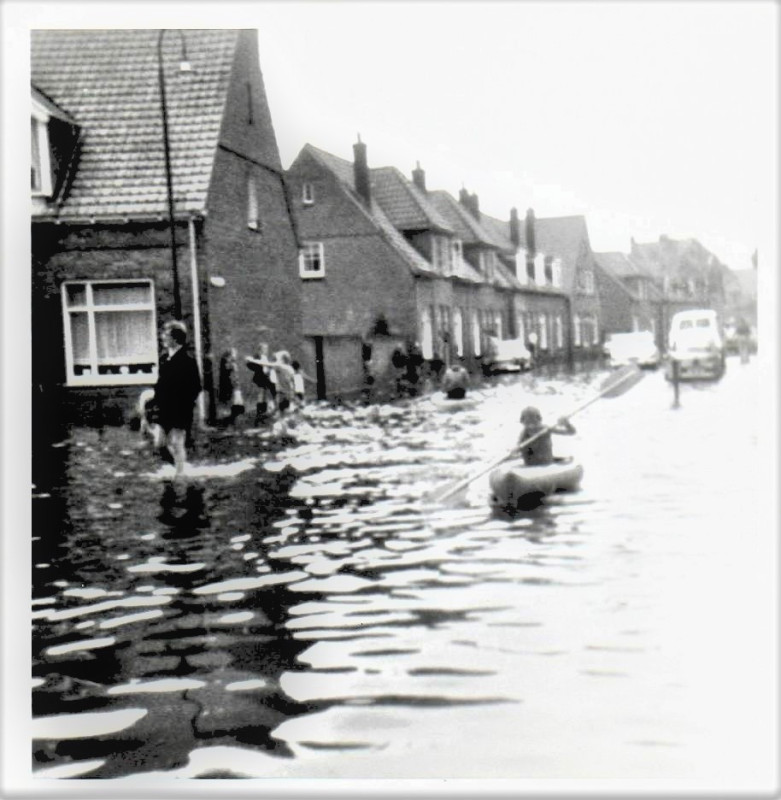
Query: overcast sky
[[647, 118]]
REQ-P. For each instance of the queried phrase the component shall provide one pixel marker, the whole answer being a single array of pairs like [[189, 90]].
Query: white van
[[695, 345]]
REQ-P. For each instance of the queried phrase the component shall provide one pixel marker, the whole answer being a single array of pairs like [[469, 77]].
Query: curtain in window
[[124, 336]]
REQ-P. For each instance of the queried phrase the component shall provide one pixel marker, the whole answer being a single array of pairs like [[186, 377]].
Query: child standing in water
[[540, 451]]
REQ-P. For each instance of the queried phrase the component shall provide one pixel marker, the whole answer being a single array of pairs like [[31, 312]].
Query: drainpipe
[[196, 316]]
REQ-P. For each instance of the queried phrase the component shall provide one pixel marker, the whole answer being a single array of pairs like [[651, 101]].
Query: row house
[[629, 297], [685, 273], [387, 263], [127, 233]]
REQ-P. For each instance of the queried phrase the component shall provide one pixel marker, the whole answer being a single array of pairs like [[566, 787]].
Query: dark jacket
[[178, 387]]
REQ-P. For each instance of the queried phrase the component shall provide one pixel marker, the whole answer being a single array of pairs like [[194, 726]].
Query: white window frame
[[308, 193], [542, 322], [477, 345], [39, 127], [576, 331], [306, 255], [253, 210], [90, 308]]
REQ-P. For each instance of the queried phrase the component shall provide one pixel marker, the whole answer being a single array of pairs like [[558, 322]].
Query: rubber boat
[[444, 403], [515, 486]]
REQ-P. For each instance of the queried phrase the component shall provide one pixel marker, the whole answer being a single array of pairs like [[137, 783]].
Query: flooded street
[[309, 614]]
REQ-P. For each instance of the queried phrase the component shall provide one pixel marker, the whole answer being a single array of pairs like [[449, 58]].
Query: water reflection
[[311, 603]]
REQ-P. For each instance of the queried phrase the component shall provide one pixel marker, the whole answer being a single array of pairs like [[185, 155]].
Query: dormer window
[[40, 166], [54, 138], [308, 194]]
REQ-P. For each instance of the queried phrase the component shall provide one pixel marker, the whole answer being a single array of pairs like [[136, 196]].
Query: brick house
[[102, 268], [566, 238], [540, 304], [686, 274], [385, 263], [630, 298]]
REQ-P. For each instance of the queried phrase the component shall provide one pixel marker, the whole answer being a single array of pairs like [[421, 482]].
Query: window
[[427, 333], [559, 333], [543, 327], [476, 334], [458, 330], [253, 213], [308, 194], [576, 331], [40, 161], [530, 269], [586, 281], [458, 252], [549, 270], [311, 260], [110, 332]]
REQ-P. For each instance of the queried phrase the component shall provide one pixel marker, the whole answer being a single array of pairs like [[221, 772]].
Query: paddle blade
[[621, 381]]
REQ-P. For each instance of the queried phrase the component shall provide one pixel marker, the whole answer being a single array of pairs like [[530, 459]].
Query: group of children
[[279, 380]]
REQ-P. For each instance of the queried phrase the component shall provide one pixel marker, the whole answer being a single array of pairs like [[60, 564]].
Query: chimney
[[361, 171], [474, 204], [419, 177], [531, 243], [463, 198], [515, 228]]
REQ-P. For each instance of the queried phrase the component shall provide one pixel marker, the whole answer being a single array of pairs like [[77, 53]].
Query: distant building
[[686, 274], [101, 249], [630, 299]]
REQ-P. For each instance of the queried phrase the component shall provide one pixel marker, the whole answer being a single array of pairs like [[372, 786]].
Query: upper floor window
[[586, 281], [530, 269], [253, 211], [40, 164], [311, 260], [308, 194], [110, 332], [549, 270], [458, 251]]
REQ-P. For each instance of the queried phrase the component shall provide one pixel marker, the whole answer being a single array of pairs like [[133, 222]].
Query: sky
[[648, 118]]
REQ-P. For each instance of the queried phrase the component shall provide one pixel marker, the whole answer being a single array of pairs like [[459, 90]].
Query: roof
[[461, 221], [561, 237], [107, 81], [344, 172], [407, 206]]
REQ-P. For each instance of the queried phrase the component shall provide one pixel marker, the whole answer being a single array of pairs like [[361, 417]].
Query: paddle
[[614, 385]]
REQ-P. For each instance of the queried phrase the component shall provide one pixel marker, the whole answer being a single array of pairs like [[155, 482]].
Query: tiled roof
[[407, 207], [461, 222], [498, 231], [561, 237], [404, 204], [343, 170], [619, 264], [107, 81]]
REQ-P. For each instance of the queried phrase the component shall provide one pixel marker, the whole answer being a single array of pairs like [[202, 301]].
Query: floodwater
[[306, 613]]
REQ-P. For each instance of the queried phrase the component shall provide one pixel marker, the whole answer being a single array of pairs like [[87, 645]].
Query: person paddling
[[539, 452]]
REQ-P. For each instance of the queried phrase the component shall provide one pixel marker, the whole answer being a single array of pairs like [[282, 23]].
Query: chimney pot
[[361, 171], [515, 228], [419, 177], [531, 244]]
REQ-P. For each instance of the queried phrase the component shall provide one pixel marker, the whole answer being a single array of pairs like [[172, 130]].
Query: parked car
[[506, 355], [695, 345], [637, 347]]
